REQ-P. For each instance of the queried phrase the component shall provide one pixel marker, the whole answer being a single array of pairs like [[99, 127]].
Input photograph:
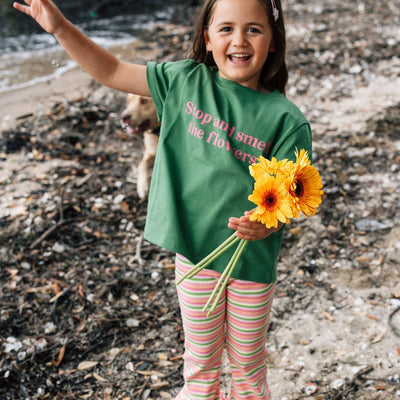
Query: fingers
[[249, 237], [22, 8], [249, 230]]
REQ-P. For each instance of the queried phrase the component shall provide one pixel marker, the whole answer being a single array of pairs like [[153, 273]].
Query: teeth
[[240, 55]]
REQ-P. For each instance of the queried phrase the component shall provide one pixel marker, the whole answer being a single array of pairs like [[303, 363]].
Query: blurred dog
[[140, 118]]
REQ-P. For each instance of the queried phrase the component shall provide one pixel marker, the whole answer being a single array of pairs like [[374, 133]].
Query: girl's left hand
[[251, 230]]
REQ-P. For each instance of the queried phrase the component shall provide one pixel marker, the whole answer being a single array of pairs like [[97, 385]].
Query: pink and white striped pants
[[239, 322]]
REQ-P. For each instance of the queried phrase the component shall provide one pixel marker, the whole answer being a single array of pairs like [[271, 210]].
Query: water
[[28, 57]]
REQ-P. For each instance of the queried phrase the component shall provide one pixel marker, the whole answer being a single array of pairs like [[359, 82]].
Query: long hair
[[274, 75]]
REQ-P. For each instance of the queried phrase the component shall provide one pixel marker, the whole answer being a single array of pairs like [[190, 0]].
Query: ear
[[207, 40]]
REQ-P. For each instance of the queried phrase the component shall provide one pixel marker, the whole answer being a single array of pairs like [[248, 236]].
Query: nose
[[239, 38]]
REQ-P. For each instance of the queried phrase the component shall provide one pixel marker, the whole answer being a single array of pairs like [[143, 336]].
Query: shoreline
[[72, 84], [41, 96]]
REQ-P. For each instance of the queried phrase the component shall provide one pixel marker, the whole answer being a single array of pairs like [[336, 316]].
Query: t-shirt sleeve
[[160, 78], [299, 138]]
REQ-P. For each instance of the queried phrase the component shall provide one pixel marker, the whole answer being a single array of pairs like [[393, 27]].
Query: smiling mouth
[[238, 58]]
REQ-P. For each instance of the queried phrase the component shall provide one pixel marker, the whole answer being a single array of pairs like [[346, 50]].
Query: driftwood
[[352, 384]]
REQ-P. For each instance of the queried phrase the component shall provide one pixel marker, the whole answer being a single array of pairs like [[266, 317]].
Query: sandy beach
[[326, 340], [40, 97]]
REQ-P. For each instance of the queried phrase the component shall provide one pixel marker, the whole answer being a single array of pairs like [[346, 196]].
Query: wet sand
[[74, 83], [41, 96]]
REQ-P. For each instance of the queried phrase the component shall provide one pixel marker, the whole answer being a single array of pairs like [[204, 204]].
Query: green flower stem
[[224, 279], [215, 254], [210, 258], [214, 292]]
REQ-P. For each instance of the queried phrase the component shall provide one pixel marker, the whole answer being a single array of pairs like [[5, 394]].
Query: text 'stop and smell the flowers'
[[282, 190]]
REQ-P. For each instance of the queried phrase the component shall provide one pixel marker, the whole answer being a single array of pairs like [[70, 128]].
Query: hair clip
[[275, 11]]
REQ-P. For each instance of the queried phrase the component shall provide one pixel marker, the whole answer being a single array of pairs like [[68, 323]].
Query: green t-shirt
[[212, 130]]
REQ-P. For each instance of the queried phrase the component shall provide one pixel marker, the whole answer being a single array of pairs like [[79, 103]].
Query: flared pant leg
[[239, 322], [204, 336]]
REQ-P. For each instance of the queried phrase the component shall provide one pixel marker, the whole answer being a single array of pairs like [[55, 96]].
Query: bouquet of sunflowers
[[282, 190]]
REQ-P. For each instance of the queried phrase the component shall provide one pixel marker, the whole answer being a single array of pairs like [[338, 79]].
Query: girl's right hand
[[98, 62], [251, 230], [44, 12]]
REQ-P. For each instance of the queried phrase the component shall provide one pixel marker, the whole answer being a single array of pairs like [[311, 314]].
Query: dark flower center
[[269, 199], [299, 189]]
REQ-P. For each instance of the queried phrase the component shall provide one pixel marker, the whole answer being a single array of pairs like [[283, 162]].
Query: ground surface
[[88, 309]]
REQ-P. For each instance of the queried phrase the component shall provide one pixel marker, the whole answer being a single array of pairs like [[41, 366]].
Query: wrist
[[62, 26]]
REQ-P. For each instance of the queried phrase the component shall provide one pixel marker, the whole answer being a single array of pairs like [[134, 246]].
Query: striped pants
[[239, 323]]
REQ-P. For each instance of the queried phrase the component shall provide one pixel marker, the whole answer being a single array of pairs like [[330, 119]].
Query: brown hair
[[274, 74]]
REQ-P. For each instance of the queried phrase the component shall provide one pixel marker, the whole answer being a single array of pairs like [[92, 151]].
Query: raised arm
[[98, 62]]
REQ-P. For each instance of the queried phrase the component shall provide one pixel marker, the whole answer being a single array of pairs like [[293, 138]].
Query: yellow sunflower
[[271, 197], [305, 188], [271, 167]]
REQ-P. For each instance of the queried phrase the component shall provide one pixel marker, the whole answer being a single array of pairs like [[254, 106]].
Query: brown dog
[[140, 117]]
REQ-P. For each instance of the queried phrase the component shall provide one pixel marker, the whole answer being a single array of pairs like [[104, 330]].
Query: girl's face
[[240, 38]]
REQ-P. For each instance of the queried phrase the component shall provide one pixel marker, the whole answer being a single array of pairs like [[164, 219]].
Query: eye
[[253, 29], [144, 101], [226, 29]]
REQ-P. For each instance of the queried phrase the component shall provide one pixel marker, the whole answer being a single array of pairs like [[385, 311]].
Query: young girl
[[220, 110]]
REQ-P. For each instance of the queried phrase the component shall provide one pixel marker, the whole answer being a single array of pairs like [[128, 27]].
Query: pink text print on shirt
[[226, 136]]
